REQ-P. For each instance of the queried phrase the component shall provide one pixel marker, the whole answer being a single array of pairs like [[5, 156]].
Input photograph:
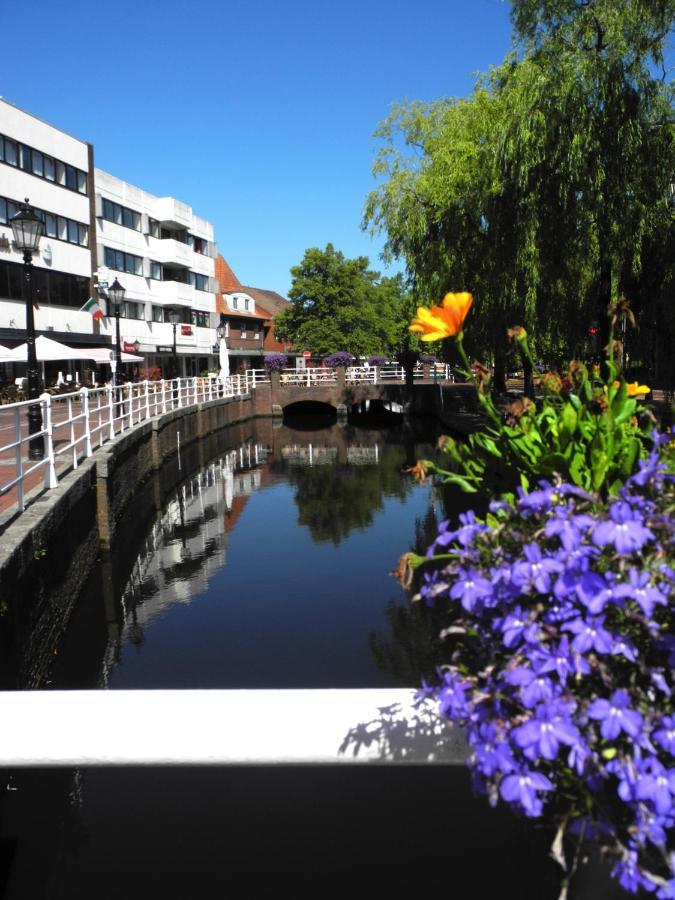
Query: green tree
[[341, 304], [542, 191]]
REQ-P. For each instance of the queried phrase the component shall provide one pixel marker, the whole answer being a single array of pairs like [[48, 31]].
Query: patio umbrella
[[224, 359], [47, 349], [103, 355]]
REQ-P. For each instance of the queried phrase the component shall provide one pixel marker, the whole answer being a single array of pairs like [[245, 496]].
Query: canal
[[262, 558]]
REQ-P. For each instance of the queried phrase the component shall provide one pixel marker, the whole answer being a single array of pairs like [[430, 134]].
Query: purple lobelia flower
[[542, 735], [638, 588], [657, 784], [534, 687], [624, 528], [522, 788], [590, 635], [470, 588], [492, 753], [616, 716], [665, 735], [536, 569]]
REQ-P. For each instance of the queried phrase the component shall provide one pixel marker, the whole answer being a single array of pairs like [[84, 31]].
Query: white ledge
[[214, 727]]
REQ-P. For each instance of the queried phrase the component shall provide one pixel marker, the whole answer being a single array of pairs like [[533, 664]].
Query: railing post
[[87, 424], [163, 389], [196, 390], [210, 387], [111, 410], [147, 398], [130, 395], [18, 456], [50, 468], [309, 378], [72, 430]]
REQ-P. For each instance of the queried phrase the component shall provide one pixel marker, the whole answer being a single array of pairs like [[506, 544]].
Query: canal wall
[[48, 552]]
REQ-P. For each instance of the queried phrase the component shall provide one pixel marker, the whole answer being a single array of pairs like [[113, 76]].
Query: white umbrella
[[224, 359], [46, 349], [105, 355]]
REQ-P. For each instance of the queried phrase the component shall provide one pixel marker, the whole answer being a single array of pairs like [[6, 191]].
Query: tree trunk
[[499, 379]]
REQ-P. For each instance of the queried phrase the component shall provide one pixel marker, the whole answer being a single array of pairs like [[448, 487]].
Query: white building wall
[[151, 292], [55, 254]]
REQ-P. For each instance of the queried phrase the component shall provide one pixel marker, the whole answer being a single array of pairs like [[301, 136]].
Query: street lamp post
[[27, 229], [116, 294], [174, 318]]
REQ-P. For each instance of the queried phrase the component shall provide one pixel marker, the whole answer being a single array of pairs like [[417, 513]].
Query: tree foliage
[[546, 188], [341, 304]]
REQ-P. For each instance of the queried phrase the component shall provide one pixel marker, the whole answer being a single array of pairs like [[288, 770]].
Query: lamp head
[[27, 228]]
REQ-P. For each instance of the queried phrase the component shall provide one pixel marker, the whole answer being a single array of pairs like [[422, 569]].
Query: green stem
[[485, 402]]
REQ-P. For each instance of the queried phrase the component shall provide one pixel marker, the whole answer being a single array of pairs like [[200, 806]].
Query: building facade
[[54, 170], [249, 326], [164, 257]]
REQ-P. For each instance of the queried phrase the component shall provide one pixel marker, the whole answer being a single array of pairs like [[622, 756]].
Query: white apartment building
[[163, 255], [55, 172]]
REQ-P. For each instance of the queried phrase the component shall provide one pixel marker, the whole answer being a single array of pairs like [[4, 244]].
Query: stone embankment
[[48, 552]]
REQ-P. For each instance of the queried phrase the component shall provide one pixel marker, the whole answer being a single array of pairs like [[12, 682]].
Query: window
[[38, 166], [153, 227], [51, 288], [55, 226], [123, 262], [200, 319], [199, 245], [132, 310], [157, 313], [10, 152], [71, 178], [246, 303], [24, 157], [121, 215], [156, 272], [235, 303], [201, 282], [243, 330], [36, 163]]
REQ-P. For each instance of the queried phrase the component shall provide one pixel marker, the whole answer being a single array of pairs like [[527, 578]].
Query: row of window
[[57, 227], [129, 218], [121, 215], [123, 262], [128, 262], [132, 309], [255, 332], [14, 153], [49, 288]]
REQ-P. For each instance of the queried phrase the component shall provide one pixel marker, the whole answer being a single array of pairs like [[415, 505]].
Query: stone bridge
[[445, 400]]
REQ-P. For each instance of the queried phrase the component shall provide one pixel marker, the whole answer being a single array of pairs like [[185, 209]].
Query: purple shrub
[[560, 656], [339, 360], [275, 362], [377, 360]]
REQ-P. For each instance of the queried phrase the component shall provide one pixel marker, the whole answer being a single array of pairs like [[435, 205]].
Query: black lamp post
[[174, 318], [27, 229], [116, 294]]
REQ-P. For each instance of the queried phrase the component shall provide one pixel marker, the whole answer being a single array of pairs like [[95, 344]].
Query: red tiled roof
[[227, 280]]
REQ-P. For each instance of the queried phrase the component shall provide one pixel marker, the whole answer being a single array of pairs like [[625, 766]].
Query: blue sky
[[259, 115]]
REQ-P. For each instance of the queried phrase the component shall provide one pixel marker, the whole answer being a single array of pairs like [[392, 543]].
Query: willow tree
[[541, 190]]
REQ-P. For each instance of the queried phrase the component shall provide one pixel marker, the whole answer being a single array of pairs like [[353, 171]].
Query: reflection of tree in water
[[334, 500], [412, 649]]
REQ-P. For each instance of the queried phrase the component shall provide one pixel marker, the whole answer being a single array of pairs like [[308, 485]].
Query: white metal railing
[[77, 423], [317, 376]]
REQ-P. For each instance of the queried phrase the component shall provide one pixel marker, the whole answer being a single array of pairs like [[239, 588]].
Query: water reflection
[[268, 567]]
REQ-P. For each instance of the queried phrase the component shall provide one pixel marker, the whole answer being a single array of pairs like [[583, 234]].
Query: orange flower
[[444, 321], [635, 389]]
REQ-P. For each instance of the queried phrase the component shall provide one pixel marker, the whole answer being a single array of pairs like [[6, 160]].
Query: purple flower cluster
[[339, 360], [275, 362], [377, 360], [561, 652], [427, 359]]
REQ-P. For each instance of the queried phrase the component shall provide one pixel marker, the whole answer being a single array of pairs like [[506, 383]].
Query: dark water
[[255, 561]]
